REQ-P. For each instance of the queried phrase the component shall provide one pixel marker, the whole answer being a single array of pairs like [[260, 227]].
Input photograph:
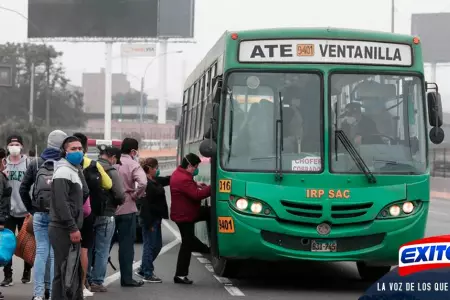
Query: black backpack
[[98, 196], [42, 191]]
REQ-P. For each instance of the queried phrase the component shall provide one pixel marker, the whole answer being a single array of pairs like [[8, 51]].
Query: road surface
[[302, 281]]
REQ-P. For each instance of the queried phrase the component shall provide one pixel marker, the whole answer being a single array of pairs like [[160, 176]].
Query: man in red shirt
[[186, 210]]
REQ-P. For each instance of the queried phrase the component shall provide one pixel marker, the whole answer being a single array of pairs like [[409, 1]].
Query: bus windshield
[[252, 109], [383, 117]]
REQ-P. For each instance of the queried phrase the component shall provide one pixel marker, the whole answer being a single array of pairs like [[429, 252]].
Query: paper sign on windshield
[[325, 51], [307, 164]]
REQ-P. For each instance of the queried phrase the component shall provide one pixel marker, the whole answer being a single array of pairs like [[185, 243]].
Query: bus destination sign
[[325, 51]]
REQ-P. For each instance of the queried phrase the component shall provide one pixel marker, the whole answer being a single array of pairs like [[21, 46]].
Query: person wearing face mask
[[5, 195], [153, 208], [359, 128], [87, 231], [134, 184], [186, 210], [104, 224], [66, 214], [16, 167]]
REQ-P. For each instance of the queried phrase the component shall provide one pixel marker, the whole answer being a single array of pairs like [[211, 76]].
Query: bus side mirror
[[208, 148], [210, 121], [435, 117], [434, 109]]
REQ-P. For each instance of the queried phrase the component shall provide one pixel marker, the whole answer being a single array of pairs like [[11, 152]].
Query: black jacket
[[66, 206], [117, 194], [153, 206], [5, 198]]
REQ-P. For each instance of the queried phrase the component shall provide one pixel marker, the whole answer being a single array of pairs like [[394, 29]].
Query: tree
[[34, 135], [128, 99], [49, 81]]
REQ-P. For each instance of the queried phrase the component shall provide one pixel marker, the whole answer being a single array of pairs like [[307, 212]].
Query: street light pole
[[392, 16]]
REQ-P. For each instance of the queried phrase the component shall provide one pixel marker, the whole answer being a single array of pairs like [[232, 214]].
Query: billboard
[[92, 18], [176, 18], [432, 29], [138, 50]]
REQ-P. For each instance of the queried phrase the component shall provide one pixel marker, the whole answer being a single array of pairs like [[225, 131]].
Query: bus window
[[384, 121], [252, 109]]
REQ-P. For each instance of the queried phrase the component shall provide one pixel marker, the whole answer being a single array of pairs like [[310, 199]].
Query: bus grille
[[350, 210], [303, 209]]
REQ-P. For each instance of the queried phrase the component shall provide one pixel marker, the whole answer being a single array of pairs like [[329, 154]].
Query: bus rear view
[[319, 147]]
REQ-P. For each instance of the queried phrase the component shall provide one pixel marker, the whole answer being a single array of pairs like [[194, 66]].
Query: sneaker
[[1, 296], [98, 288], [47, 294], [87, 293], [7, 281], [152, 279], [37, 298], [139, 273], [26, 277]]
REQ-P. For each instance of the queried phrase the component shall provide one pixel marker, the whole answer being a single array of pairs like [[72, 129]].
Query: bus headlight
[[394, 210], [408, 207], [242, 204], [256, 207], [400, 209]]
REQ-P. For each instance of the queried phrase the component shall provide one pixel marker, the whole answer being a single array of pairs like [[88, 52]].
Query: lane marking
[[171, 229], [223, 280], [113, 277], [203, 260], [234, 291], [196, 254], [210, 268]]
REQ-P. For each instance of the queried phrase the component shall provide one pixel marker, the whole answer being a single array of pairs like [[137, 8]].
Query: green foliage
[[32, 134], [127, 99], [66, 106]]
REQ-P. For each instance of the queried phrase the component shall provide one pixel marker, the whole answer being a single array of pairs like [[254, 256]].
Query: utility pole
[[392, 16], [47, 95], [31, 93]]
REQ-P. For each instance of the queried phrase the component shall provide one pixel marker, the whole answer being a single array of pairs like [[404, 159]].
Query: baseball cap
[[14, 138], [110, 151]]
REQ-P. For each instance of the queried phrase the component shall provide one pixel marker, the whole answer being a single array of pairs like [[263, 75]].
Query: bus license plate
[[323, 246]]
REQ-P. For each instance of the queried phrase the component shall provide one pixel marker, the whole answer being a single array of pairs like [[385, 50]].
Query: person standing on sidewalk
[[38, 173], [66, 213], [5, 195], [134, 183], [104, 224], [152, 210], [16, 166]]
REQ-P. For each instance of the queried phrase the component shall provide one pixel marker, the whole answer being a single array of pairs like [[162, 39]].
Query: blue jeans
[[43, 263], [152, 238], [104, 228]]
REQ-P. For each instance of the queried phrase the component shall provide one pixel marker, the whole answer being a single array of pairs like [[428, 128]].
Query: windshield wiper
[[355, 155], [279, 145]]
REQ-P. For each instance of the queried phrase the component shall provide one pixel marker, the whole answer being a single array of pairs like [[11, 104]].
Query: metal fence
[[440, 162]]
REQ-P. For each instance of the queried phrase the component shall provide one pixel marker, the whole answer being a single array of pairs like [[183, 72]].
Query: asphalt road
[[263, 281]]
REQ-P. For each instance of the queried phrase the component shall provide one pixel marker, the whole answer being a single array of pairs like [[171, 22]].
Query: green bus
[[315, 141]]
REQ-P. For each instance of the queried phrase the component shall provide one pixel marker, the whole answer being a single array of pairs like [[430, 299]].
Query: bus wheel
[[371, 273], [225, 267]]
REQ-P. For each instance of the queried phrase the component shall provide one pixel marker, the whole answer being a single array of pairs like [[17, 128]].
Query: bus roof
[[217, 52], [97, 142]]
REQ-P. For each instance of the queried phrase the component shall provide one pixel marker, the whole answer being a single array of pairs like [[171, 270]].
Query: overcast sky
[[213, 17]]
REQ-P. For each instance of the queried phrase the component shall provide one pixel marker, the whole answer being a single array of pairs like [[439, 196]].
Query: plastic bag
[[7, 246], [71, 268]]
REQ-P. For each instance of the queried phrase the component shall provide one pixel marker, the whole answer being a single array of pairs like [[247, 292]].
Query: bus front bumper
[[260, 238]]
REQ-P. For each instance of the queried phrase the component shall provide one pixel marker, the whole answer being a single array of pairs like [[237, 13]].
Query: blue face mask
[[157, 173], [75, 158], [195, 172]]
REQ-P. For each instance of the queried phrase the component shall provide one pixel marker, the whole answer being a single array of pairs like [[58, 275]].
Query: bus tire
[[371, 273], [224, 267]]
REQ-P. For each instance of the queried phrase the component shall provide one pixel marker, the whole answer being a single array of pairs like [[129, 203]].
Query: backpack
[[98, 196], [42, 191]]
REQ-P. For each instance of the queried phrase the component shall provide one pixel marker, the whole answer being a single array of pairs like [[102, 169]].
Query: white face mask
[[14, 150]]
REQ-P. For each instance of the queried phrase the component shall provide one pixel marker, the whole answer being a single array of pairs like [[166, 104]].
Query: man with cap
[[43, 266], [16, 166], [359, 128], [104, 224]]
